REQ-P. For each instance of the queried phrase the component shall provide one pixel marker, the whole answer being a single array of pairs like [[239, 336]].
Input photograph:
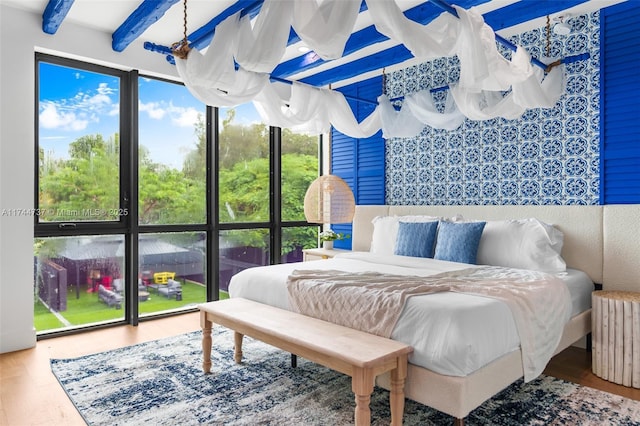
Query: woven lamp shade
[[329, 200]]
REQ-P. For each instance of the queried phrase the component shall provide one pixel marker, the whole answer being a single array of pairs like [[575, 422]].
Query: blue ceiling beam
[[202, 37], [142, 18], [423, 14], [525, 10], [519, 12], [372, 62], [54, 14], [294, 38]]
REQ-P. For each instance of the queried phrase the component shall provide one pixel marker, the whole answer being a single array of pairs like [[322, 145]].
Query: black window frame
[[129, 226]]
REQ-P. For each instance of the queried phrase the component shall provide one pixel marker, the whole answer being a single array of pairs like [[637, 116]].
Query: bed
[[456, 368]]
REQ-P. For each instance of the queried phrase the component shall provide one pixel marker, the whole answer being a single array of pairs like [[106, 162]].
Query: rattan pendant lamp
[[329, 199]]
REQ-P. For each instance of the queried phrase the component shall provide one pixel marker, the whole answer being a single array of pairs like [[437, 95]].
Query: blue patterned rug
[[161, 383]]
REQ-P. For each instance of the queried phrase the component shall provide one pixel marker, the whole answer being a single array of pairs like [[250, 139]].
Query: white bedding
[[452, 334]]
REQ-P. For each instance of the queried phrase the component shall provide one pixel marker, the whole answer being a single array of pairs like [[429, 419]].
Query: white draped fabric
[[312, 110], [398, 124], [260, 48], [422, 106], [212, 77], [418, 110], [482, 67], [325, 26], [295, 107], [486, 105], [436, 40], [530, 93]]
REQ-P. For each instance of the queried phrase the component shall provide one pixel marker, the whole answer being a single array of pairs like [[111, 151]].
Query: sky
[[75, 103]]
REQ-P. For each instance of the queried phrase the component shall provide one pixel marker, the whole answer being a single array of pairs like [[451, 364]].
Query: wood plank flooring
[[31, 395]]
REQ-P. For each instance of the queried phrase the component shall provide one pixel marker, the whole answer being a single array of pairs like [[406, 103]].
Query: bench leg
[[398, 376], [237, 340], [206, 325], [362, 386]]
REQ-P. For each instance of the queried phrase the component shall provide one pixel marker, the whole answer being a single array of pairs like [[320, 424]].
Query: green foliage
[[195, 163], [304, 237], [244, 189], [238, 143], [84, 187], [89, 179], [296, 143], [331, 235], [167, 196], [298, 171]]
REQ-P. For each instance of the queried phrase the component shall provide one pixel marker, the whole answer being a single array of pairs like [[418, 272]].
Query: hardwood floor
[[31, 395]]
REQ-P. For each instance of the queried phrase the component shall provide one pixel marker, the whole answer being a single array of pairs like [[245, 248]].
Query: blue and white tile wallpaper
[[548, 156]]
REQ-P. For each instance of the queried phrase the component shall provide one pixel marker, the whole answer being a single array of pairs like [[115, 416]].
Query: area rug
[[162, 383]]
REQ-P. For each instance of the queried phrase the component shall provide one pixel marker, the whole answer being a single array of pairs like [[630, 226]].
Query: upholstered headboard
[[602, 241]]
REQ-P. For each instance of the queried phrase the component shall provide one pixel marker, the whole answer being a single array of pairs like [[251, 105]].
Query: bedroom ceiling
[[153, 25]]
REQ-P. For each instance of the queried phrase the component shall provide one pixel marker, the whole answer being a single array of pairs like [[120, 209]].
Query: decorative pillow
[[458, 241], [522, 244], [385, 231], [416, 239]]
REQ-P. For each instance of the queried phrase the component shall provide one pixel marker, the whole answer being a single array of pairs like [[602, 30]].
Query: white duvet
[[452, 333]]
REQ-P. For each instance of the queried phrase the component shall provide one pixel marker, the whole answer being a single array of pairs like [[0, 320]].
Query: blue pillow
[[416, 239], [458, 242]]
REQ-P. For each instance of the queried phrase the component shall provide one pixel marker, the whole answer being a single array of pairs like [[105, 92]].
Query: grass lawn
[[88, 308]]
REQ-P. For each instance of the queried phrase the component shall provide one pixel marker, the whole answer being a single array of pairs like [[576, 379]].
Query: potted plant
[[329, 236]]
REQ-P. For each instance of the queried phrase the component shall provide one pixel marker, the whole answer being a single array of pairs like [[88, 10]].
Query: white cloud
[[153, 110], [185, 117], [76, 113], [180, 116], [52, 118]]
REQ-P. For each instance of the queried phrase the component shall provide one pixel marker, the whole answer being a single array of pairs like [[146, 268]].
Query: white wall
[[21, 36]]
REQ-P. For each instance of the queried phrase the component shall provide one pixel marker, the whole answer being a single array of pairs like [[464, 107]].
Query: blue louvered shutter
[[360, 162], [620, 104]]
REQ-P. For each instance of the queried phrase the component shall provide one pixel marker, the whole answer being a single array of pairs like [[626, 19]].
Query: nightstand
[[616, 336], [320, 253]]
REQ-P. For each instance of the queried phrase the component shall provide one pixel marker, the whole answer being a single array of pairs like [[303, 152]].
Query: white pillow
[[385, 231], [523, 244]]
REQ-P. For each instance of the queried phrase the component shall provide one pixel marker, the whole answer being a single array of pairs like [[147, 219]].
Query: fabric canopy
[[236, 66]]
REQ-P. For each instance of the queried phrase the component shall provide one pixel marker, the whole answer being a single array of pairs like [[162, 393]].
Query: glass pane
[[172, 154], [76, 281], [299, 169], [241, 249], [172, 271], [79, 145], [244, 166], [296, 239]]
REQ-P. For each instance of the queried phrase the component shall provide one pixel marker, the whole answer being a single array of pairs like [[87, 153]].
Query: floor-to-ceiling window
[[263, 175], [82, 212], [147, 201], [299, 167], [172, 197]]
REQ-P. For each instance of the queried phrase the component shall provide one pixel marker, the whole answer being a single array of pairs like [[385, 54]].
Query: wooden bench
[[358, 354]]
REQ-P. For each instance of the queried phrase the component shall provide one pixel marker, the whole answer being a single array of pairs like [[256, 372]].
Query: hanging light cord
[[548, 36], [181, 48]]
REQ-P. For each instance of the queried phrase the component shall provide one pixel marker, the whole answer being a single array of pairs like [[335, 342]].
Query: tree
[[238, 143], [89, 179], [195, 162], [168, 197], [86, 183], [298, 143]]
